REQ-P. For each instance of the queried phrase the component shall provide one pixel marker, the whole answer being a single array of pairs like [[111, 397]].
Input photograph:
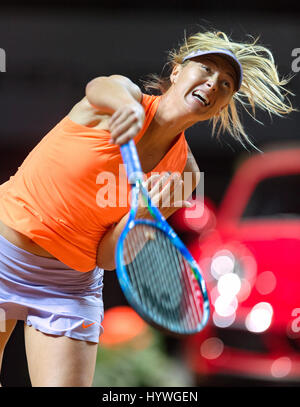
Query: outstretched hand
[[166, 192]]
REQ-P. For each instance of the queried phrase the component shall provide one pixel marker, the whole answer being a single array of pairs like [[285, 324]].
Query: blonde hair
[[261, 84]]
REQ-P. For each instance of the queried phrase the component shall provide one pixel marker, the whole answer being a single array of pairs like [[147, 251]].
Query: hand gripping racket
[[158, 276]]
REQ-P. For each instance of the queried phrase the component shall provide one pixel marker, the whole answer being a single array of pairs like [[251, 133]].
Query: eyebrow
[[230, 74], [216, 64], [211, 60]]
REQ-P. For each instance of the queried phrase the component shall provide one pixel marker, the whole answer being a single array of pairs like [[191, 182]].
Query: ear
[[175, 73]]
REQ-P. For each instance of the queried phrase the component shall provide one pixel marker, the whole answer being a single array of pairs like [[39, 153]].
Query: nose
[[212, 85], [212, 82]]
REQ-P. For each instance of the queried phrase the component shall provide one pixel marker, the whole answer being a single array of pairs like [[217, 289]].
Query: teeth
[[195, 93]]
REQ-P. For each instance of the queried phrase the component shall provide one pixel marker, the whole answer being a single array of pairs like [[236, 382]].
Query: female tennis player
[[58, 229]]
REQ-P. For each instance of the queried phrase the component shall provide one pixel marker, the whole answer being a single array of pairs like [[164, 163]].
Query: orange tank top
[[57, 197]]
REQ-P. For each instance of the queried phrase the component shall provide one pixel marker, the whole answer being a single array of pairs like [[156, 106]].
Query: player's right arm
[[119, 97]]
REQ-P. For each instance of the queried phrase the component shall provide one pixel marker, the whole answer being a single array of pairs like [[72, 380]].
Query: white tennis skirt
[[48, 295]]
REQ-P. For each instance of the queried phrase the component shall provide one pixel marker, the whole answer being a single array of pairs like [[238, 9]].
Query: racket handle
[[131, 159]]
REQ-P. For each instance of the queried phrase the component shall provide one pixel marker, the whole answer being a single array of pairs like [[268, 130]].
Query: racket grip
[[132, 162]]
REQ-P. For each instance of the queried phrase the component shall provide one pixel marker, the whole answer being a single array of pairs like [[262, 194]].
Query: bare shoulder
[[85, 114], [82, 106]]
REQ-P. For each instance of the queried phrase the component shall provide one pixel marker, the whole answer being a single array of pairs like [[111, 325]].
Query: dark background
[[53, 50]]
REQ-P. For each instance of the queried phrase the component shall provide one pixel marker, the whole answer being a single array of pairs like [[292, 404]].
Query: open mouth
[[204, 101]]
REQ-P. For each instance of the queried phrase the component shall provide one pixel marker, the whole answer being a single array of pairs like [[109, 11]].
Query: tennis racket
[[158, 276]]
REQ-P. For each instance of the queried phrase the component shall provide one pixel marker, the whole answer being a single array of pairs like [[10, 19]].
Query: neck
[[168, 121]]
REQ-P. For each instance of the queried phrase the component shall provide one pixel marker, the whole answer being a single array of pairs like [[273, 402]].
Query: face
[[203, 87]]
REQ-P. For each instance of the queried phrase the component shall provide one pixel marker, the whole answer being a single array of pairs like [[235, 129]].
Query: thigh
[[7, 326], [59, 361]]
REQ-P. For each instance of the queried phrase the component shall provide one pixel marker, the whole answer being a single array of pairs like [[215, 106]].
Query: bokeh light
[[281, 367], [222, 263], [260, 317], [266, 282], [229, 285], [225, 306], [212, 348], [223, 322]]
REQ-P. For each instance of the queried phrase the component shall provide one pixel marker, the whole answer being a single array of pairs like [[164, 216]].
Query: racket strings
[[180, 267], [173, 255], [162, 278], [184, 274], [153, 279], [184, 271], [192, 305]]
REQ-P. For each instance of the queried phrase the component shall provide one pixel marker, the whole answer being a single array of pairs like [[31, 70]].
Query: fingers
[[122, 124], [120, 116], [126, 137], [166, 192], [149, 183], [172, 190], [126, 123], [156, 183], [165, 189], [156, 188]]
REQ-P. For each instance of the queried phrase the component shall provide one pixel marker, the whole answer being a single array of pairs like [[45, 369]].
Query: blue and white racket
[[158, 276]]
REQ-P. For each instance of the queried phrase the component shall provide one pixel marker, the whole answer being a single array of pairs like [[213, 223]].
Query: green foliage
[[128, 367]]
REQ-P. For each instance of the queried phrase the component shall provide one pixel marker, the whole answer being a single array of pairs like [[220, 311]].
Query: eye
[[207, 68], [227, 84]]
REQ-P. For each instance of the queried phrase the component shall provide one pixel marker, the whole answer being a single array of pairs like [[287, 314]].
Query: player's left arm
[[177, 197], [190, 175], [107, 245]]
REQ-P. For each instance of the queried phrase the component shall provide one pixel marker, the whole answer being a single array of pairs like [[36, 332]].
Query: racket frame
[[135, 178]]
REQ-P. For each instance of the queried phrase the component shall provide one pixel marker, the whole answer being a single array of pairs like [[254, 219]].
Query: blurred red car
[[250, 259]]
